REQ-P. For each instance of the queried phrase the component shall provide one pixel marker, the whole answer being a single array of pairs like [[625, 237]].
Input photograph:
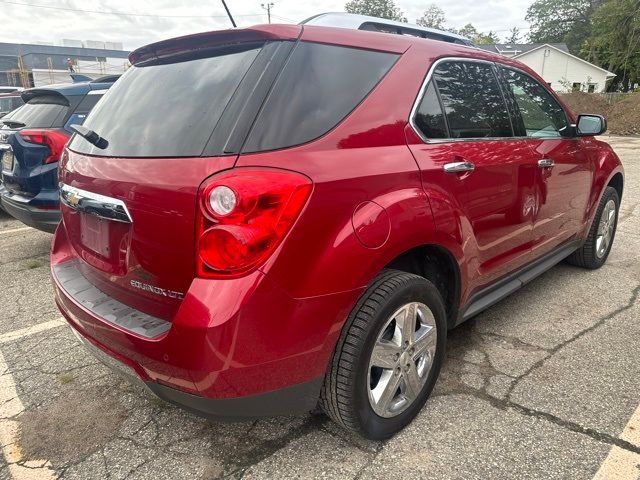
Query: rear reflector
[[53, 139], [243, 216]]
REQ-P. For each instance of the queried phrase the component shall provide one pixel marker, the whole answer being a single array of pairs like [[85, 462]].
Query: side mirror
[[589, 125]]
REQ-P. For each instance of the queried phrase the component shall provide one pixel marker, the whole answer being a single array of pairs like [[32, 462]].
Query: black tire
[[344, 395], [586, 255]]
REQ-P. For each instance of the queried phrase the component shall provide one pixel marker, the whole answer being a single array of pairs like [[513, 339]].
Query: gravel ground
[[541, 385]]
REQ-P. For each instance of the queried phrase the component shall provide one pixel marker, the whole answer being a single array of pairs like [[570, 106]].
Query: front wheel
[[388, 357], [596, 248]]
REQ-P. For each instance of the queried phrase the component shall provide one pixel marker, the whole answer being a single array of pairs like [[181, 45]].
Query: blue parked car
[[31, 141]]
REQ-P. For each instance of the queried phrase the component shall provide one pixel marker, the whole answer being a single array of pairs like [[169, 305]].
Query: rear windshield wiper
[[13, 123], [90, 136]]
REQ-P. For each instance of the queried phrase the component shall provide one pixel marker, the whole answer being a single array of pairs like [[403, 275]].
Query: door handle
[[457, 167], [546, 163]]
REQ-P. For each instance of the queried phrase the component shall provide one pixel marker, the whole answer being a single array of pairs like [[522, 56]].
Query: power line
[[123, 14], [284, 18]]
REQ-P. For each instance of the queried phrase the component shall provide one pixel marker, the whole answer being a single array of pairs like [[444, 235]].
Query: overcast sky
[[23, 22]]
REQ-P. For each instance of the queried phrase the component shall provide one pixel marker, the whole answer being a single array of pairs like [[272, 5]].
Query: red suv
[[257, 220]]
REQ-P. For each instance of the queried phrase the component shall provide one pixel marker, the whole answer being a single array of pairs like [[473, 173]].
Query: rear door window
[[318, 87], [472, 99], [167, 108], [47, 111]]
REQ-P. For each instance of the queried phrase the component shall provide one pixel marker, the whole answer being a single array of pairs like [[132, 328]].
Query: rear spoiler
[[78, 77], [204, 41], [39, 92]]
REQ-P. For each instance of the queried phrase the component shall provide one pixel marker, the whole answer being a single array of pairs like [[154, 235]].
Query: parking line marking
[[12, 406], [13, 230], [25, 332], [622, 464]]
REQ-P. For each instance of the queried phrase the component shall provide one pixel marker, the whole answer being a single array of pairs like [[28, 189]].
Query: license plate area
[[7, 159], [94, 234]]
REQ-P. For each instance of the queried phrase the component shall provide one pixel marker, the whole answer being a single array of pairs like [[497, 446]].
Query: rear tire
[[357, 393], [595, 250]]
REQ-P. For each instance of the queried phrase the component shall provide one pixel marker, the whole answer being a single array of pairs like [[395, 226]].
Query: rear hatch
[[179, 115]]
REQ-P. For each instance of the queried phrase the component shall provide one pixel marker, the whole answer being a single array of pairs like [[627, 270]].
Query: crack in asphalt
[[634, 297], [507, 402], [267, 448]]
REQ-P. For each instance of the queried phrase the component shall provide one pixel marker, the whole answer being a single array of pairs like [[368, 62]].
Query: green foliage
[[479, 38], [376, 8], [564, 21], [433, 17], [615, 40]]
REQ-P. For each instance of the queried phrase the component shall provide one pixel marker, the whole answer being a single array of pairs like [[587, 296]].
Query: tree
[[514, 35], [468, 31], [615, 40], [376, 8], [486, 39], [565, 21], [479, 38], [433, 17]]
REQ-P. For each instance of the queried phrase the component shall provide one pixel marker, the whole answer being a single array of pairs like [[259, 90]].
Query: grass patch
[[31, 264], [66, 378]]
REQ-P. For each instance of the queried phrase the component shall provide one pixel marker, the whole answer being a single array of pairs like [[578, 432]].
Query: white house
[[553, 62]]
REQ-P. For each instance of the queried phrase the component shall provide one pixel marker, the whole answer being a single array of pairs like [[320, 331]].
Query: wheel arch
[[617, 182], [439, 266]]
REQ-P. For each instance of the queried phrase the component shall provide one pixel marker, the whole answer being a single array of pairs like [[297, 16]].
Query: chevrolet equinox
[[257, 221]]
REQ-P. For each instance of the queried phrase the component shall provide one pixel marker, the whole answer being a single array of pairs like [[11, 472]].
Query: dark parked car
[[289, 214], [31, 141]]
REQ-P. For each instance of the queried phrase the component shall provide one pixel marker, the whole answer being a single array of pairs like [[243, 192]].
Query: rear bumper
[[26, 209], [298, 398], [238, 348]]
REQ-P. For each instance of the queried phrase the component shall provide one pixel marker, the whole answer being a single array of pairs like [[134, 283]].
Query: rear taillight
[[243, 214], [52, 139]]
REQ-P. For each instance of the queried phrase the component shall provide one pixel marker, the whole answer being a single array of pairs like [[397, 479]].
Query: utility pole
[[267, 7]]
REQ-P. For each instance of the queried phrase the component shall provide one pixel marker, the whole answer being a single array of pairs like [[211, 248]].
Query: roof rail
[[375, 24]]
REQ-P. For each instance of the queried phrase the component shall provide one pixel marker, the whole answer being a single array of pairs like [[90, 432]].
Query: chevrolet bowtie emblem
[[73, 199]]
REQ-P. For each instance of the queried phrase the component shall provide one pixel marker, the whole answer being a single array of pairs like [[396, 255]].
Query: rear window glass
[[472, 100], [168, 109], [318, 87], [41, 112]]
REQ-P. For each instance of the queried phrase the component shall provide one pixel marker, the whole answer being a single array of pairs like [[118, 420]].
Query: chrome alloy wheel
[[606, 228], [401, 359]]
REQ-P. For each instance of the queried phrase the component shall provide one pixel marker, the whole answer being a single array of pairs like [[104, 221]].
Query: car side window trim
[[497, 76], [425, 84], [446, 120]]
